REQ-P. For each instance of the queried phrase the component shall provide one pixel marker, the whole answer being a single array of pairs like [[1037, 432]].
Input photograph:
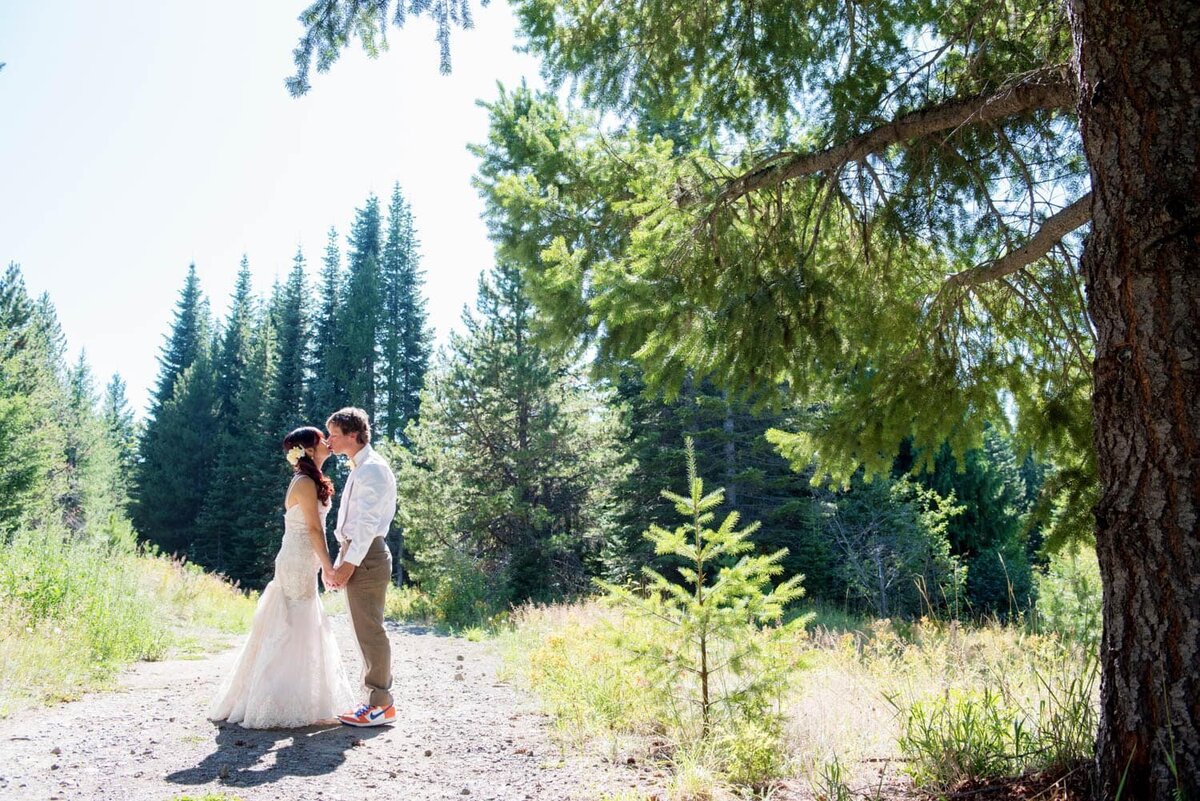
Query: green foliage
[[512, 468], [360, 310], [49, 581], [962, 736], [326, 390], [830, 783], [409, 604], [290, 322], [990, 535], [986, 733], [329, 25], [890, 540], [831, 280], [729, 442], [177, 448], [1069, 597], [719, 654], [404, 329]]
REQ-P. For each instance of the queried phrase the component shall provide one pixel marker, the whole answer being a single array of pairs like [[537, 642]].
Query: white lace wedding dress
[[289, 673]]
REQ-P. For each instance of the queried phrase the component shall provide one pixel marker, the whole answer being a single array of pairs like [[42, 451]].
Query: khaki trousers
[[366, 594]]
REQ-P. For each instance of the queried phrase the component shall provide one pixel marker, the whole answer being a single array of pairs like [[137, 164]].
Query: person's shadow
[[312, 751]]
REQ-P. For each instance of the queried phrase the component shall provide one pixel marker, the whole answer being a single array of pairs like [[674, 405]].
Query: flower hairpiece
[[295, 455]]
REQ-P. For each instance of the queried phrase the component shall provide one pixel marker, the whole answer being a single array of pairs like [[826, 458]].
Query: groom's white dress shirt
[[367, 508]]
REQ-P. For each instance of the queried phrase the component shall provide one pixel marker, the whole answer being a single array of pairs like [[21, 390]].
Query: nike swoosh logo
[[378, 714]]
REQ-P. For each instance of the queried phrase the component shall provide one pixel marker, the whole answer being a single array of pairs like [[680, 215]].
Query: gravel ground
[[461, 734]]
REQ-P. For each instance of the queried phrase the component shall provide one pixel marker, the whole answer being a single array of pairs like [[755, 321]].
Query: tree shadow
[[240, 753]]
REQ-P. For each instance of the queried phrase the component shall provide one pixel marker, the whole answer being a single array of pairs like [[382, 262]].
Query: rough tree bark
[[1139, 79]]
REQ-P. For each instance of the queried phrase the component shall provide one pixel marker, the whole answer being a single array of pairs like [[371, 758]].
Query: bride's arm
[[306, 495]]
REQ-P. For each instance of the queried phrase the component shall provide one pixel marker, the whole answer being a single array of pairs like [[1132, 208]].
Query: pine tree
[[989, 534], [218, 514], [179, 450], [177, 444], [515, 460], [287, 390], [29, 477], [90, 456], [230, 357], [361, 307], [710, 652], [262, 471], [188, 334], [121, 428], [404, 335], [327, 385]]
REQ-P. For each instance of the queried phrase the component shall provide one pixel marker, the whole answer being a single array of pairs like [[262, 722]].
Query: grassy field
[[73, 613], [875, 709]]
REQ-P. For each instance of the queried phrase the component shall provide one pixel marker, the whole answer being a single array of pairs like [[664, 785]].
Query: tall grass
[[73, 612], [881, 703]]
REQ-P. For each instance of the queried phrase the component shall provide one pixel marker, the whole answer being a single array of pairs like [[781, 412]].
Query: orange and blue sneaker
[[367, 715]]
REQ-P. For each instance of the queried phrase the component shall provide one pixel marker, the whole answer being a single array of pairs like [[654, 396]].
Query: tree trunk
[[1139, 78]]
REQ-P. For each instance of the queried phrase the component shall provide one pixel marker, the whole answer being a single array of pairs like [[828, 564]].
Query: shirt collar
[[361, 457]]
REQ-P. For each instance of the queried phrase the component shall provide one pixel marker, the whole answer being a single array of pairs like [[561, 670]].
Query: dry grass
[[851, 708]]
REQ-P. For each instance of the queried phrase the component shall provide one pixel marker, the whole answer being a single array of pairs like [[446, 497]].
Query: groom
[[364, 563]]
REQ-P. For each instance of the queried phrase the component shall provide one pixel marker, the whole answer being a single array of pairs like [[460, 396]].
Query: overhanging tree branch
[[1047, 88], [1050, 234]]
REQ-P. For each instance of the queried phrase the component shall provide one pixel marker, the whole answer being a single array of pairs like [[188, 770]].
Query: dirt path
[[462, 735]]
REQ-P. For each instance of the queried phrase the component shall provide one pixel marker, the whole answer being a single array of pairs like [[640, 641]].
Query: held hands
[[336, 578]]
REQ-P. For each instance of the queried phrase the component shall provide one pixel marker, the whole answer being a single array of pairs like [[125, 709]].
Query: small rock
[[56, 750], [428, 752], [459, 657], [465, 791], [630, 761], [54, 766], [356, 742], [459, 677]]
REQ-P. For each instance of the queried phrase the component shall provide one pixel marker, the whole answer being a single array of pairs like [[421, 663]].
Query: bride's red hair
[[308, 437]]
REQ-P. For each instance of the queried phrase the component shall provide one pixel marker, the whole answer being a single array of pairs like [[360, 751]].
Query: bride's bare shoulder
[[300, 490]]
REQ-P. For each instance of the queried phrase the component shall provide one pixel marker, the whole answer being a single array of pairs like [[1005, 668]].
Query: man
[[364, 563]]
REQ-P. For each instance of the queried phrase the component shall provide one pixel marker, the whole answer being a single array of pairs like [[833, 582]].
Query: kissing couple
[[289, 673]]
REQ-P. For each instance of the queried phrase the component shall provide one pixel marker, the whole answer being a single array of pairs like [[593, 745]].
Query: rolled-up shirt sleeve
[[372, 506]]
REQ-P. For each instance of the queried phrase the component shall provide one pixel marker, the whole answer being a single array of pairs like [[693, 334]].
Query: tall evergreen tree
[[177, 444], [261, 470], [404, 333], [188, 334], [235, 417], [179, 450], [121, 427], [327, 384], [516, 459], [286, 393], [28, 385], [230, 357], [90, 458], [989, 533], [361, 308]]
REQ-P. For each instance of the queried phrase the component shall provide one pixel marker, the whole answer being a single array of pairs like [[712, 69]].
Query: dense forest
[[527, 469]]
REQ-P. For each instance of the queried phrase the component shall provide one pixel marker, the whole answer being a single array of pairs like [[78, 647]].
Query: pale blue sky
[[138, 137]]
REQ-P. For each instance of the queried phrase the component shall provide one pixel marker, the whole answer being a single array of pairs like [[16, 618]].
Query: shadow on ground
[[252, 757]]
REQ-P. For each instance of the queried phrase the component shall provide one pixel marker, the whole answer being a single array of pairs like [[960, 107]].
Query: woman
[[289, 672]]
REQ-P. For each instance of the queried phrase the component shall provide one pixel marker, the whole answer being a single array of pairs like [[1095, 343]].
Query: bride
[[289, 673]]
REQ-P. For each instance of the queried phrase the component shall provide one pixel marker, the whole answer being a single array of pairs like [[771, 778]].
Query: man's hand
[[327, 579], [341, 575]]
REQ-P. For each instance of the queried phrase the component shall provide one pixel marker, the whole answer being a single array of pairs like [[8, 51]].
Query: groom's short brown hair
[[352, 420]]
